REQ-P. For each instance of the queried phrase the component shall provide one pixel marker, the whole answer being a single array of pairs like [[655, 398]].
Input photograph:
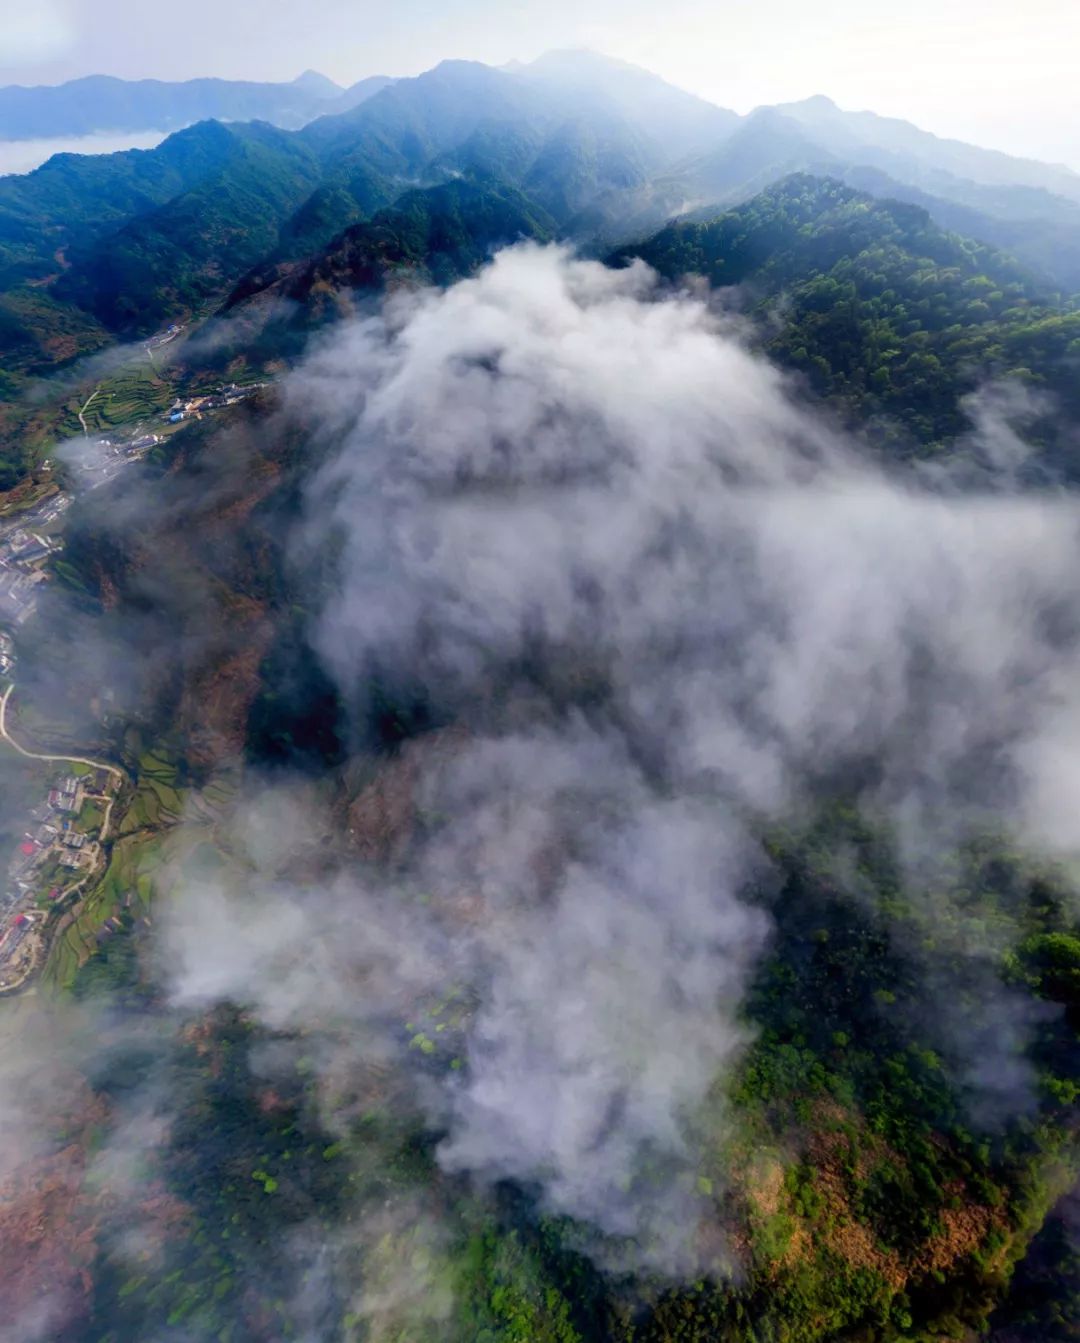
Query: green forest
[[888, 317]]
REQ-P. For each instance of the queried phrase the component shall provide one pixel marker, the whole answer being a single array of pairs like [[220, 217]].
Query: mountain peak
[[686, 122], [319, 85]]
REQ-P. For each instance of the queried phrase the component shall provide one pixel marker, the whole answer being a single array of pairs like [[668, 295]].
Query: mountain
[[433, 236], [841, 1177], [318, 86], [1045, 234], [602, 150], [409, 123], [678, 123], [859, 135], [172, 258], [408, 127], [127, 239], [102, 103], [564, 885], [1027, 208], [884, 314], [86, 196], [765, 147], [132, 239], [361, 91]]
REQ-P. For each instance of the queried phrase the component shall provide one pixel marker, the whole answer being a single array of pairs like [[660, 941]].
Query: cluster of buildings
[[163, 337], [67, 795], [61, 841], [15, 951], [52, 850], [104, 458], [53, 835], [228, 395], [23, 553]]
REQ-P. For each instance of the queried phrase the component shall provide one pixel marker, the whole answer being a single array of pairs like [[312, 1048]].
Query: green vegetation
[[170, 260], [124, 887], [91, 815], [437, 235], [845, 1177], [887, 316], [157, 801], [891, 310], [135, 393], [149, 854]]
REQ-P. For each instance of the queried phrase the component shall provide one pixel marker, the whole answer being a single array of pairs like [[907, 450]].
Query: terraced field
[[135, 392], [153, 851], [158, 800], [124, 890]]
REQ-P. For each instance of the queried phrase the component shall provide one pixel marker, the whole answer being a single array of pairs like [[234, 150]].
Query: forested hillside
[[859, 1174], [886, 315], [111, 247]]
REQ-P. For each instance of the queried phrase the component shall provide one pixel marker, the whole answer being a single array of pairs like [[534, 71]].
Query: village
[[230, 394], [58, 852], [101, 457], [63, 845], [24, 552], [61, 848]]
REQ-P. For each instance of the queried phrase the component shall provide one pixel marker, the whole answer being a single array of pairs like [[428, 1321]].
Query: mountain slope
[[84, 196], [884, 313], [406, 125], [173, 258], [852, 134], [434, 236], [765, 147], [1018, 211], [1048, 242], [133, 239], [677, 123], [122, 242]]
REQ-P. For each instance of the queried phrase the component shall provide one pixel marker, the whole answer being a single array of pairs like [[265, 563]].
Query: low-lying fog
[[23, 156]]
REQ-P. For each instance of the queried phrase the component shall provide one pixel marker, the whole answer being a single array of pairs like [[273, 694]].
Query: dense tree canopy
[[884, 313]]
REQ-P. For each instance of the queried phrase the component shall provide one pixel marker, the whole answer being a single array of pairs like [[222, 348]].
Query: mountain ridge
[[105, 103], [125, 242]]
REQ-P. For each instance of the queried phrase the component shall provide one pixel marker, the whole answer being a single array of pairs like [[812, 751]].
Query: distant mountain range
[[572, 146], [100, 103]]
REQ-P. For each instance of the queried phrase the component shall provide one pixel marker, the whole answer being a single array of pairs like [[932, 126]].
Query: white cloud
[[23, 156]]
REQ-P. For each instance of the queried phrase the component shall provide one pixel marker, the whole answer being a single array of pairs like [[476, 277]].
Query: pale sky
[[996, 72]]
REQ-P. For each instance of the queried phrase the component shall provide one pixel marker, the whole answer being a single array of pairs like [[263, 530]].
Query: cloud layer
[[645, 605], [670, 606]]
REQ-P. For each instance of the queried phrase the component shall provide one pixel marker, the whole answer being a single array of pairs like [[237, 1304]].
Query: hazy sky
[[995, 72]]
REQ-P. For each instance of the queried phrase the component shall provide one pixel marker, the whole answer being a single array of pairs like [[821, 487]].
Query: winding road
[[26, 980], [61, 759], [82, 421]]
